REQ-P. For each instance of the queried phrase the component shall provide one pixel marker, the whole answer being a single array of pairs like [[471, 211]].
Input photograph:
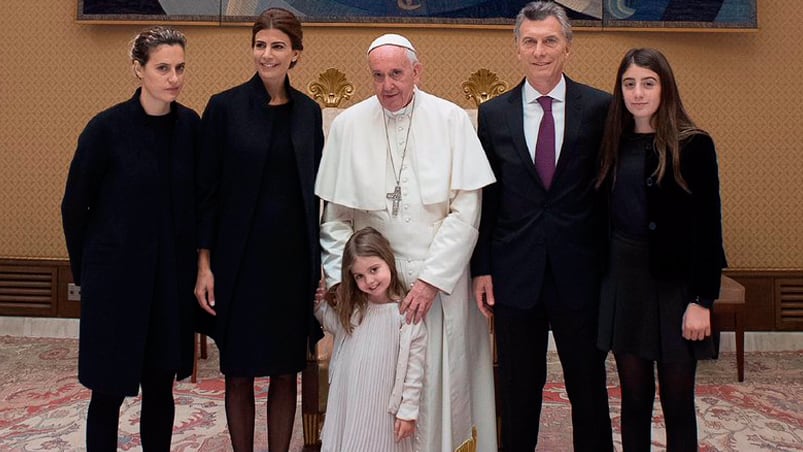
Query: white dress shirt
[[533, 114]]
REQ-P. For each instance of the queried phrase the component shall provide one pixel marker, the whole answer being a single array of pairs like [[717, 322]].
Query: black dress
[[265, 334], [640, 314], [161, 343], [258, 216]]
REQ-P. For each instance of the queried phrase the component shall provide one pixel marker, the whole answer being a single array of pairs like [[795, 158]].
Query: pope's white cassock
[[431, 151]]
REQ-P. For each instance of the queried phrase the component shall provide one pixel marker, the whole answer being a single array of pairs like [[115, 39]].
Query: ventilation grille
[[27, 290], [789, 293]]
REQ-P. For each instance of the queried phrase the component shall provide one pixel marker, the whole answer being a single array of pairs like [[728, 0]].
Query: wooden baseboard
[[38, 288]]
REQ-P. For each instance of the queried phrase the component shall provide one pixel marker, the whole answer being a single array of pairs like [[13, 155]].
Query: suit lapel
[[571, 127], [515, 120]]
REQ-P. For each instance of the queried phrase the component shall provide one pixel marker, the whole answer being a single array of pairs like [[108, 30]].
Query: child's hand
[[331, 295], [320, 292], [403, 429]]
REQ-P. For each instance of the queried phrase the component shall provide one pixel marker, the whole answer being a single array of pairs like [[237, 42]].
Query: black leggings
[[676, 388], [156, 417]]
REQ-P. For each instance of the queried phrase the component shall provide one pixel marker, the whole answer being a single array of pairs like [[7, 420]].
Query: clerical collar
[[406, 111]]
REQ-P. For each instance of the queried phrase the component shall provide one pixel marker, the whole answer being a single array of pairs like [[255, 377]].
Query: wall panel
[[743, 87]]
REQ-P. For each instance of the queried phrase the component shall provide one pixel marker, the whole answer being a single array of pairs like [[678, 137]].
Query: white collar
[[558, 93], [404, 112]]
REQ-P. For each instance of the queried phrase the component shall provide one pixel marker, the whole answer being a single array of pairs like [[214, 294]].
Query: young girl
[[377, 365], [666, 255]]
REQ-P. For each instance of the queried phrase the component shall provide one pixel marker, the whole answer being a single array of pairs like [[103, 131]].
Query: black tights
[[156, 417], [282, 392], [676, 388]]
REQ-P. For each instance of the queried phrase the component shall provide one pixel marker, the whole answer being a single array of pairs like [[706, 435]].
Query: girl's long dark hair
[[672, 123]]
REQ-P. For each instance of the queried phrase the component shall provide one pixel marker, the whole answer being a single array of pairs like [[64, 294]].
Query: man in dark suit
[[537, 262]]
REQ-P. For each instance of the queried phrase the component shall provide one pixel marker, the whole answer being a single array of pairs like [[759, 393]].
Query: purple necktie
[[545, 146]]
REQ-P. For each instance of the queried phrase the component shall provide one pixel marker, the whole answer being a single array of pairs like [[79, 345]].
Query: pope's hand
[[418, 301]]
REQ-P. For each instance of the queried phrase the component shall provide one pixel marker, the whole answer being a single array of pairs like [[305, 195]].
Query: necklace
[[396, 194]]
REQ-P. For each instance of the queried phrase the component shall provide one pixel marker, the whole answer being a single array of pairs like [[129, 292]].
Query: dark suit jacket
[[108, 215], [684, 230], [524, 226], [229, 178]]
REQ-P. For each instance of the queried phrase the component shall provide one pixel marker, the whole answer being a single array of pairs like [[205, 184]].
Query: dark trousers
[[522, 336], [156, 417]]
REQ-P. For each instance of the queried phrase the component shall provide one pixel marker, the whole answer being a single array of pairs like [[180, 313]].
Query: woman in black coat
[[129, 223], [666, 254], [258, 259]]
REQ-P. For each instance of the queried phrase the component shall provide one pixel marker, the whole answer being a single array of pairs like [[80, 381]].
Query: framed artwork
[[691, 14], [601, 14], [201, 11]]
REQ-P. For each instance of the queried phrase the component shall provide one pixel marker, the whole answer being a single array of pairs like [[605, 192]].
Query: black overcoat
[[684, 229], [109, 216], [229, 185]]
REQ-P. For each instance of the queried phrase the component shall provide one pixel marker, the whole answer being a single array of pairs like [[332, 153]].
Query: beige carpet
[[43, 407]]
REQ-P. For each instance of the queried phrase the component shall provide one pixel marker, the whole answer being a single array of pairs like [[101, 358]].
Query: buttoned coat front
[[684, 228]]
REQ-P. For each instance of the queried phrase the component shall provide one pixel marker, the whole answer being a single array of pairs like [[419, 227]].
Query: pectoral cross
[[396, 197]]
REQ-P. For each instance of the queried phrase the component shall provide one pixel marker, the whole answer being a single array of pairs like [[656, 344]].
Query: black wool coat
[[109, 208], [685, 228], [229, 181]]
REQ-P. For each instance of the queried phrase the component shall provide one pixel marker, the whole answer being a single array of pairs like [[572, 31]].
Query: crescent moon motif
[[409, 5], [618, 9]]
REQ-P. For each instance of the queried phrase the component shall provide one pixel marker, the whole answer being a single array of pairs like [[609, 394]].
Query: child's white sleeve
[[414, 378], [328, 317]]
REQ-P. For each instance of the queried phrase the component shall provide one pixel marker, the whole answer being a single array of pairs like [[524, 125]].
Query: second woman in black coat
[[129, 221], [258, 260]]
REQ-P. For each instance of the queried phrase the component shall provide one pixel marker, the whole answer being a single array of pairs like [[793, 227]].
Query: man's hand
[[484, 294], [696, 322], [403, 429], [418, 301]]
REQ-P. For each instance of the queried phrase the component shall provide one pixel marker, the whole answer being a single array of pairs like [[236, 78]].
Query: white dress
[[362, 372]]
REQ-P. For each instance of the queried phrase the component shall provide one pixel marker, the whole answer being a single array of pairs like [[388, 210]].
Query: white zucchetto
[[391, 39]]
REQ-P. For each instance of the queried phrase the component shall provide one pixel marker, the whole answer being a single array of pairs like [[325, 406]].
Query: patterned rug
[[43, 407]]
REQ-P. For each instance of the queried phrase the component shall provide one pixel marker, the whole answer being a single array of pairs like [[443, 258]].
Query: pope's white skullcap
[[391, 39]]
